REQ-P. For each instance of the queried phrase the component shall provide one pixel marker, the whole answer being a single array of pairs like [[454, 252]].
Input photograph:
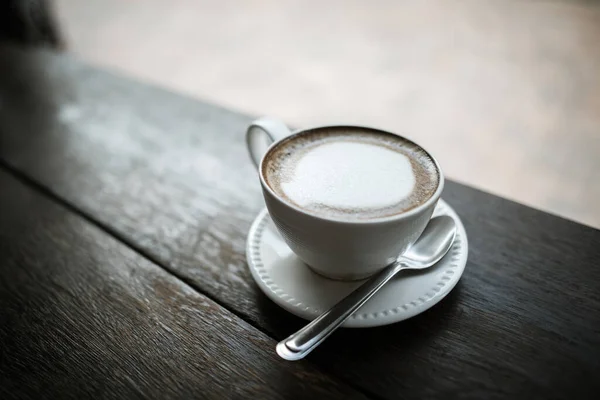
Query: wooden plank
[[83, 316], [170, 176]]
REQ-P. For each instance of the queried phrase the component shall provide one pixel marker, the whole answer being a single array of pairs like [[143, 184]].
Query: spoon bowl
[[432, 246]]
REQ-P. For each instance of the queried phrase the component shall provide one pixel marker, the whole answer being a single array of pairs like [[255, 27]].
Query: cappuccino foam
[[351, 173]]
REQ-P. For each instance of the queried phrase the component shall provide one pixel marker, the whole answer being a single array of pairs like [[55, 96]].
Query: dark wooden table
[[124, 211]]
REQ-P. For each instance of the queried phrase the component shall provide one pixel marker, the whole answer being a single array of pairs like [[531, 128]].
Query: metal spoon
[[434, 243]]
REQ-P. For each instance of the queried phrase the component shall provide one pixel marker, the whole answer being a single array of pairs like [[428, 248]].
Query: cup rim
[[377, 220]]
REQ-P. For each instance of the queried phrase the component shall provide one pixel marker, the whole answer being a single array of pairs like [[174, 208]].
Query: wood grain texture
[[82, 316], [170, 176]]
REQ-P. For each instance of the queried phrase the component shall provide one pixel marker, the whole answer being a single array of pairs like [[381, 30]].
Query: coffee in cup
[[350, 173]]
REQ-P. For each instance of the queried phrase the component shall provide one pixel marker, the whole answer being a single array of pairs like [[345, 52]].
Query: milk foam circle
[[351, 173]]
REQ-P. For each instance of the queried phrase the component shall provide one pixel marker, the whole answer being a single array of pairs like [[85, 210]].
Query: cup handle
[[261, 134]]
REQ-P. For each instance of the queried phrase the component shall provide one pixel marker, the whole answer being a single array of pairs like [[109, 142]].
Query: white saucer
[[287, 281]]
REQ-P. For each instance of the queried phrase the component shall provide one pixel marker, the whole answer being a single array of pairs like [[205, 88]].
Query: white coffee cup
[[337, 249]]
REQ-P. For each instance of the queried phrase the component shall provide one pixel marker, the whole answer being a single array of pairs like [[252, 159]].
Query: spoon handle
[[299, 344]]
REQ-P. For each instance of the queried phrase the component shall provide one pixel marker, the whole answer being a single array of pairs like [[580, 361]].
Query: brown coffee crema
[[279, 165]]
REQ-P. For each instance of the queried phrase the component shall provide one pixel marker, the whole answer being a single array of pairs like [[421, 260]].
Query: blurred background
[[505, 93]]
